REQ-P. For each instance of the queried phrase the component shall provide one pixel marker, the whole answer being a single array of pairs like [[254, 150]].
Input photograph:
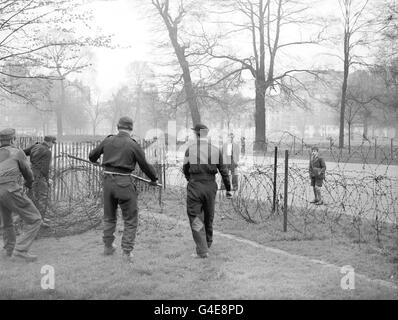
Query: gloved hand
[[153, 183], [229, 195]]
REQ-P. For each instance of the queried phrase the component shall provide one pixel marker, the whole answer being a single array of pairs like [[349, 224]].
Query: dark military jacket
[[40, 158], [13, 163], [120, 155], [317, 168], [202, 158]]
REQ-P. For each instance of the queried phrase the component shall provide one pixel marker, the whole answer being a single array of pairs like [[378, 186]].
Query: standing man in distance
[[231, 159], [317, 171], [13, 163], [120, 155], [40, 158], [202, 161]]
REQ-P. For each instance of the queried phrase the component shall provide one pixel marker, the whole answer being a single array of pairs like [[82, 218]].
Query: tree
[[265, 22], [173, 26], [355, 24], [140, 76], [21, 23], [120, 105], [96, 112]]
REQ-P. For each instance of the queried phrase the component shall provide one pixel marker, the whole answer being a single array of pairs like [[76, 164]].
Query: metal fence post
[[285, 195], [275, 175]]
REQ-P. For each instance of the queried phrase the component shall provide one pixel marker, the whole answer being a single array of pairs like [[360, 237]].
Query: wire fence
[[361, 199]]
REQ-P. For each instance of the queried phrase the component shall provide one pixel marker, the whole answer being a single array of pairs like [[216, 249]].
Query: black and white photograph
[[196, 155]]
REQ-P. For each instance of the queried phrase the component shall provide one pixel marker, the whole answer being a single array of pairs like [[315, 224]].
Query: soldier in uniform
[[13, 163], [40, 158], [202, 161], [120, 155], [317, 170]]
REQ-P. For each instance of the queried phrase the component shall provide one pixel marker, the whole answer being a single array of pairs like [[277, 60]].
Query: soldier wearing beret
[[40, 158], [202, 161], [120, 155], [13, 163], [317, 170]]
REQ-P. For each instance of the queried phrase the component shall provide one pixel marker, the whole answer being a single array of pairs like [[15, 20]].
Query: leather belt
[[117, 173]]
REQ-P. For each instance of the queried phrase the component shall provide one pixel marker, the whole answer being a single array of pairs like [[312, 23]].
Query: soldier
[[13, 163], [317, 174], [202, 161], [120, 155], [40, 158]]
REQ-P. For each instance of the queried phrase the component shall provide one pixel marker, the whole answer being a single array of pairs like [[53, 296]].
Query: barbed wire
[[360, 196]]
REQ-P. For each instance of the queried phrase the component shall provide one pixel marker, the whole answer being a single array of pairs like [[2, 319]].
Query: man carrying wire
[[120, 155], [40, 158], [317, 174]]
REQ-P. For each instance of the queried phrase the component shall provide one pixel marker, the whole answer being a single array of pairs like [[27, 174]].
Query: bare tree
[[21, 23], [173, 25], [265, 21], [355, 24]]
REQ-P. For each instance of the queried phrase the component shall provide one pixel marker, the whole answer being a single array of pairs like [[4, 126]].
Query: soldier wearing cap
[[40, 158], [13, 163], [202, 161], [120, 155]]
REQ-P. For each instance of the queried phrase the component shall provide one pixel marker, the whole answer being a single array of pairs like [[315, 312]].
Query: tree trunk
[[345, 78], [172, 28], [365, 127], [349, 137], [137, 119], [260, 139], [59, 111], [343, 102], [190, 94]]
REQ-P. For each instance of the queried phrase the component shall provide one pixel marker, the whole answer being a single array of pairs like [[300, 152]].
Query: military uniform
[[202, 161], [13, 163], [40, 158], [120, 155]]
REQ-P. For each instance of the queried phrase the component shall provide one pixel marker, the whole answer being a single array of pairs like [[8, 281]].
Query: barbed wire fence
[[360, 191]]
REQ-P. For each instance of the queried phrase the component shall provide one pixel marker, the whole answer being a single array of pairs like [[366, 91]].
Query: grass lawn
[[164, 269]]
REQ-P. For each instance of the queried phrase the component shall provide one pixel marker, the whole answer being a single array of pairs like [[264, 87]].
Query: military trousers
[[120, 191], [201, 197], [13, 200], [40, 194]]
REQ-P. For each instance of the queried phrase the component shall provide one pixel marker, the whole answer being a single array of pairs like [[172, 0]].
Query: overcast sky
[[134, 34]]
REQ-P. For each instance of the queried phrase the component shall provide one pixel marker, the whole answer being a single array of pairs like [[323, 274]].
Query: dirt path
[[164, 269]]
